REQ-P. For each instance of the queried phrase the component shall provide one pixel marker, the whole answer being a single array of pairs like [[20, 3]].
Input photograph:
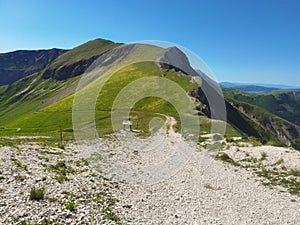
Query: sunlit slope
[[275, 114], [78, 59], [60, 114], [29, 95], [34, 92], [52, 106]]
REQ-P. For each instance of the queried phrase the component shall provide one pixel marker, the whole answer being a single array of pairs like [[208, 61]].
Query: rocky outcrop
[[175, 58]]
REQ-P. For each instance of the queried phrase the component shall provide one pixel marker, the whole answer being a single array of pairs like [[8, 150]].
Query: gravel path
[[202, 190], [220, 194], [160, 180]]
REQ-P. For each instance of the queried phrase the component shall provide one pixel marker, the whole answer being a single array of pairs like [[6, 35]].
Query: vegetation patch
[[62, 170], [37, 194], [225, 158], [19, 164], [110, 215], [289, 179], [70, 206]]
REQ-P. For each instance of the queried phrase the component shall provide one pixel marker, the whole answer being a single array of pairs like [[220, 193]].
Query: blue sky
[[240, 40]]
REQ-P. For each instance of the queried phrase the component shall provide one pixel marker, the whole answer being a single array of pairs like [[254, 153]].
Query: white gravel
[[194, 189], [201, 191]]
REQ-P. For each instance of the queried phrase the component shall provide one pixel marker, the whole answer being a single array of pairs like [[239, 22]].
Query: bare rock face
[[175, 58]]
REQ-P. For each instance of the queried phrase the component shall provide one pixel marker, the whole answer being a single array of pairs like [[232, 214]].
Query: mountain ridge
[[42, 101], [21, 63], [258, 87]]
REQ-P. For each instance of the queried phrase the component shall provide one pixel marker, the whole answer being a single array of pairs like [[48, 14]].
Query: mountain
[[77, 60], [257, 87], [277, 112], [43, 100], [19, 64]]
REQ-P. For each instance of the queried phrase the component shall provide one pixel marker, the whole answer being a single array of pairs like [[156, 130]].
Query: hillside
[[19, 64], [49, 118], [43, 102], [35, 92], [275, 112], [76, 61], [256, 89], [285, 104], [68, 158]]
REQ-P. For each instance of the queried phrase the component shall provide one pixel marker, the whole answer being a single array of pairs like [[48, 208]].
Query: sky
[[255, 41]]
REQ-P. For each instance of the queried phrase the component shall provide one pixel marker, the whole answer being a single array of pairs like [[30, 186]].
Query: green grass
[[110, 215], [37, 194], [61, 168], [40, 114], [226, 158], [273, 176], [48, 120], [263, 156], [82, 52], [25, 115], [61, 178], [284, 179], [71, 206], [19, 164]]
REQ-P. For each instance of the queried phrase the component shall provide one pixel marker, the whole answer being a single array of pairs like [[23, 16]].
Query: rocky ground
[[49, 185], [152, 182], [251, 185]]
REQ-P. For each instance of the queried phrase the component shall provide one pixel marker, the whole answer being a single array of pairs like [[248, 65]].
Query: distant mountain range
[[37, 90], [18, 64], [258, 87]]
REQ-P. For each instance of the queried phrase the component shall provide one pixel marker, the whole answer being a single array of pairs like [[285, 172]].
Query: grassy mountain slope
[[43, 102], [77, 60], [46, 119], [276, 112], [33, 93], [50, 118], [284, 104]]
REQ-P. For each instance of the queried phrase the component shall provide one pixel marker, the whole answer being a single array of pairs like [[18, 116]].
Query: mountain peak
[[176, 58]]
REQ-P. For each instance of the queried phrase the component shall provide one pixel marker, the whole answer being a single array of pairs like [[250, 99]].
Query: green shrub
[[61, 168], [225, 158], [37, 194], [295, 172], [208, 186], [70, 206], [263, 156], [61, 146], [61, 178], [109, 214]]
